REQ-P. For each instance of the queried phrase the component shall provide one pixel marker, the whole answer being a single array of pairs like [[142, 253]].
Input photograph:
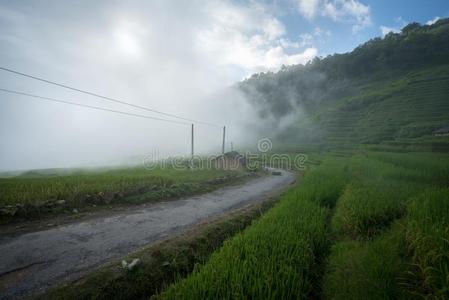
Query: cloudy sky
[[173, 56]]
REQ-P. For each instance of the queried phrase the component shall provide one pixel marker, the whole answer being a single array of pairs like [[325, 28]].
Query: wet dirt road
[[32, 262]]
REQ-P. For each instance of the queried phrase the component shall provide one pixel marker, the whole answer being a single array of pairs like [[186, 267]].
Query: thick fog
[[180, 57]]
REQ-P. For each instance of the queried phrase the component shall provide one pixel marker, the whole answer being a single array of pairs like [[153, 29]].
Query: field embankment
[[39, 195], [159, 264]]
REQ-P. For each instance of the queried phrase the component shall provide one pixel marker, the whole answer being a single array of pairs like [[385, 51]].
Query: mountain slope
[[391, 89]]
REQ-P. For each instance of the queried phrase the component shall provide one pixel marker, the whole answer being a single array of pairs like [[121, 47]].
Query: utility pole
[[192, 142], [224, 135], [232, 146]]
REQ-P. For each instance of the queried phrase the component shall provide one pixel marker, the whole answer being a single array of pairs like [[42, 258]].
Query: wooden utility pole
[[192, 142], [224, 138]]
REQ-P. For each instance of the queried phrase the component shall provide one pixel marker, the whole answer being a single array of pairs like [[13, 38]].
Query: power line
[[90, 106], [106, 98]]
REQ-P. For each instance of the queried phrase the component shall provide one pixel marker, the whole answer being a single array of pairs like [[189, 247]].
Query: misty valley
[[224, 150]]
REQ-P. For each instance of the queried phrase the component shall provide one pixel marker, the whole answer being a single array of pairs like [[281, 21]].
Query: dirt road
[[31, 263]]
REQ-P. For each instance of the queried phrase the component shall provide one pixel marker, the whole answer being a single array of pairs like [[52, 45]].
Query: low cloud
[[433, 21], [386, 30], [253, 40]]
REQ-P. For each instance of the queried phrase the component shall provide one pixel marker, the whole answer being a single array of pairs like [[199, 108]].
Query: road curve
[[31, 263]]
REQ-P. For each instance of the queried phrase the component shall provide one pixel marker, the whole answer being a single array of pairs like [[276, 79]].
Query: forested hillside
[[389, 90]]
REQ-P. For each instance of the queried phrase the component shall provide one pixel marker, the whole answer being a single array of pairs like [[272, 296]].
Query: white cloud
[[301, 58], [308, 8], [351, 11], [127, 36], [273, 29], [276, 57], [286, 43], [433, 21], [386, 30], [330, 10], [254, 40]]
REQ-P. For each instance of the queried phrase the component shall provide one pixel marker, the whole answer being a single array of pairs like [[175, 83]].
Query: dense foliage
[[414, 47]]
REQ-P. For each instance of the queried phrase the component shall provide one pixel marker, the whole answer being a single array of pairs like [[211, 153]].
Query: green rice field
[[369, 225], [39, 193]]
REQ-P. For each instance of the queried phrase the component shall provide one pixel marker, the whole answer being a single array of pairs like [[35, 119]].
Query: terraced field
[[372, 225], [410, 107]]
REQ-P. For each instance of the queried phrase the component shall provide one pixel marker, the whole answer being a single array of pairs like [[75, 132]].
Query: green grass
[[33, 194], [368, 225], [427, 168], [26, 188], [371, 256], [366, 269], [277, 257], [365, 209], [427, 234], [380, 187], [359, 225]]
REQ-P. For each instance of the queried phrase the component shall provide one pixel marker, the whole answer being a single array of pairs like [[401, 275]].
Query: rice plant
[[277, 256], [427, 232]]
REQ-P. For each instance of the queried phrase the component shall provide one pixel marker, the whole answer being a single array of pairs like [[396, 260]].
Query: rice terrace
[[290, 149]]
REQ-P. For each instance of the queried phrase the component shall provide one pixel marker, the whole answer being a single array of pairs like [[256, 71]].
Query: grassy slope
[[388, 90], [407, 107]]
